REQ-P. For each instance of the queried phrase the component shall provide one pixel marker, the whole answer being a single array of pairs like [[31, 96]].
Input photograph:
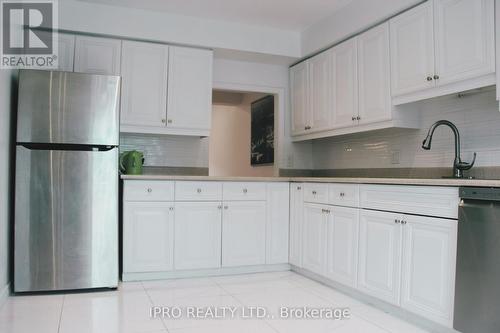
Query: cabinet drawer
[[316, 193], [244, 191], [344, 195], [198, 191], [419, 200], [147, 190]]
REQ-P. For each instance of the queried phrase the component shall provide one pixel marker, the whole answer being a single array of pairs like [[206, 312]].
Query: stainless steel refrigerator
[[66, 183]]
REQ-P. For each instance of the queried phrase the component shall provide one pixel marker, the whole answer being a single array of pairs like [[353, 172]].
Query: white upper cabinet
[[345, 84], [342, 257], [429, 259], [314, 233], [412, 50], [299, 90], [144, 85], [296, 223], [148, 237], [374, 75], [380, 248], [319, 85], [189, 103], [66, 52], [445, 45], [95, 55], [244, 233], [464, 38], [197, 235]]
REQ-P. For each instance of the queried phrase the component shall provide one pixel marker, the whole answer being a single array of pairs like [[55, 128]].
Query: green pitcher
[[131, 162]]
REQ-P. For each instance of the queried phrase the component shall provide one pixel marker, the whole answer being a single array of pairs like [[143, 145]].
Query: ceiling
[[293, 15]]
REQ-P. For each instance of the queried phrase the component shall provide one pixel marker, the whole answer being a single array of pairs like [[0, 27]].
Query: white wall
[[6, 88], [229, 147], [351, 19], [165, 27], [476, 116]]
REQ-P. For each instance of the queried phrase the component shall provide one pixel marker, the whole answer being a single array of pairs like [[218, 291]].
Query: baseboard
[[4, 293], [375, 302], [204, 272]]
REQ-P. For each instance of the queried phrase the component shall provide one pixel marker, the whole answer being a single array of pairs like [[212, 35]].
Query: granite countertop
[[394, 181]]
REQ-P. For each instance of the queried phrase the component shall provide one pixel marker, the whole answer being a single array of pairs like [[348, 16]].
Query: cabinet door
[[319, 85], [144, 84], [277, 223], [314, 234], [379, 272], [465, 39], [299, 90], [345, 84], [244, 233], [429, 258], [148, 237], [189, 95], [197, 235], [374, 75], [412, 50], [96, 55], [342, 240], [66, 51], [296, 223]]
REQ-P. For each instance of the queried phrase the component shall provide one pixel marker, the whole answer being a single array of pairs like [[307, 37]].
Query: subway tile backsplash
[[476, 116], [168, 151]]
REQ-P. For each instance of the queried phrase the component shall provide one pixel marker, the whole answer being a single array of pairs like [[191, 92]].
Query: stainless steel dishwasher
[[477, 290]]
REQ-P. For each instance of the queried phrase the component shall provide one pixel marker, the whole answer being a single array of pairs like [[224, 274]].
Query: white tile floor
[[128, 309]]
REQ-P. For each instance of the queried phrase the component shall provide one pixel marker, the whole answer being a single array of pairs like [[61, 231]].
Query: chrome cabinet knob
[[150, 190], [429, 78], [314, 192], [219, 207], [198, 190], [169, 121], [342, 194], [245, 190], [358, 118], [164, 121], [436, 77], [353, 118], [397, 221], [171, 208], [299, 188]]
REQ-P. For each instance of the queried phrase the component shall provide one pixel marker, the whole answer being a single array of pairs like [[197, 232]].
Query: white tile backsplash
[[172, 151], [476, 116]]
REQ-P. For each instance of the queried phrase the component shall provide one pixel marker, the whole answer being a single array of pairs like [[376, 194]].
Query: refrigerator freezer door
[[66, 221], [70, 108]]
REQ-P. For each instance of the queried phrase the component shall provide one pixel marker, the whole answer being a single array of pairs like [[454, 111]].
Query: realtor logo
[[29, 38]]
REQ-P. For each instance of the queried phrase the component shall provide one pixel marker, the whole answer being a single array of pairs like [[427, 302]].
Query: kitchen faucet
[[458, 165]]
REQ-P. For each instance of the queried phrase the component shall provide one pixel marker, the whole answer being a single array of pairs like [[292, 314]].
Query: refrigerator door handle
[[65, 146]]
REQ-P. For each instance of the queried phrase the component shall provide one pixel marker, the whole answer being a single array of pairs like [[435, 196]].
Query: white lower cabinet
[[429, 259], [148, 237], [197, 235], [380, 248], [342, 253], [314, 232], [296, 223], [277, 223], [244, 233]]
